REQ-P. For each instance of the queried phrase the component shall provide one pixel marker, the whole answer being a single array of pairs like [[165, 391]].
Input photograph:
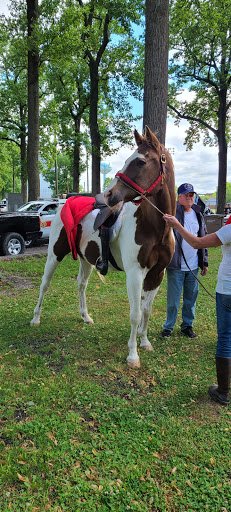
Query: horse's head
[[144, 172]]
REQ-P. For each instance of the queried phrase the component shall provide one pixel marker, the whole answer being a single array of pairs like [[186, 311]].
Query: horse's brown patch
[[61, 247], [162, 256], [92, 252]]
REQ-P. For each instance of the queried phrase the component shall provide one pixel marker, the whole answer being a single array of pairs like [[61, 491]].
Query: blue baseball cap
[[185, 188]]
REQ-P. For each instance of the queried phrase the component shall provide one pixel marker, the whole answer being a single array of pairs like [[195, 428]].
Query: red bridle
[[136, 187]]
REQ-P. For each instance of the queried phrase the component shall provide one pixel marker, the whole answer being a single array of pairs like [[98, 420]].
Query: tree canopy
[[201, 57], [86, 54]]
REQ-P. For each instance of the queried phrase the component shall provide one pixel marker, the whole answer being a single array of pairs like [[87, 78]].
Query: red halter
[[137, 188]]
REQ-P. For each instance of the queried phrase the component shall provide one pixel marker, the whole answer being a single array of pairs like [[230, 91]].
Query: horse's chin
[[114, 206], [117, 206]]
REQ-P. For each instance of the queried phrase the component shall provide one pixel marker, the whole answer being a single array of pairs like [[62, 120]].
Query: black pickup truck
[[15, 229]]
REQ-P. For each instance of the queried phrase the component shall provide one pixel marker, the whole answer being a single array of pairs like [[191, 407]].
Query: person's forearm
[[203, 242], [192, 240]]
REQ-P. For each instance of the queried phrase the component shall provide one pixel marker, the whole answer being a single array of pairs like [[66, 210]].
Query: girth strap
[[113, 261]]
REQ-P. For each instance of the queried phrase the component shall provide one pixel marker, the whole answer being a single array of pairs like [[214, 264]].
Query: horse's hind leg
[[85, 270], [146, 307], [50, 267]]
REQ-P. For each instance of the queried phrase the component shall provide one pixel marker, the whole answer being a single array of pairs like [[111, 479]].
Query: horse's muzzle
[[114, 201]]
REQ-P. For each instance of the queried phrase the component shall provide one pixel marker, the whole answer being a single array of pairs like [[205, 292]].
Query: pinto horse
[[144, 245]]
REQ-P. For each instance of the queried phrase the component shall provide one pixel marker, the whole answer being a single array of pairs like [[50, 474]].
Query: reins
[[129, 183]]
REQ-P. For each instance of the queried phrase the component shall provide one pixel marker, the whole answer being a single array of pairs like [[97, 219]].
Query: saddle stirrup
[[102, 261]]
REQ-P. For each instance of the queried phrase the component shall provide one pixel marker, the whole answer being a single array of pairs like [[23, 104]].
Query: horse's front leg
[[134, 288], [85, 270], [147, 301]]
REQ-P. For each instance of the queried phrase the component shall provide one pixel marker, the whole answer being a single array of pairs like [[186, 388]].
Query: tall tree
[[101, 19], [13, 85], [156, 66], [33, 100], [95, 98], [200, 41]]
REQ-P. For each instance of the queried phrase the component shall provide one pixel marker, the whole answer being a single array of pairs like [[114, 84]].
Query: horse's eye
[[141, 163]]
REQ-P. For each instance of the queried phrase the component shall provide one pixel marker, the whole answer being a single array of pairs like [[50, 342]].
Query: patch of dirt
[[20, 414], [36, 251], [11, 284]]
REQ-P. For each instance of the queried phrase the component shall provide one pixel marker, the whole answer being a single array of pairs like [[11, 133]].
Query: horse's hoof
[[87, 320], [149, 348], [134, 364], [33, 323]]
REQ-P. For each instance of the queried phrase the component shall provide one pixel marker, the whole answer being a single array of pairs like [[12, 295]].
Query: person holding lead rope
[[222, 237]]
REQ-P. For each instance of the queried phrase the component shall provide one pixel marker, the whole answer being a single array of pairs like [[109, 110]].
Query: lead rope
[[154, 206]]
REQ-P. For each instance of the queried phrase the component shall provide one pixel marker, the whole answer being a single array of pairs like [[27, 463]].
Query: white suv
[[47, 210]]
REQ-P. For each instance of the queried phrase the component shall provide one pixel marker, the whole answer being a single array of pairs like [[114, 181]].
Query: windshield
[[28, 207]]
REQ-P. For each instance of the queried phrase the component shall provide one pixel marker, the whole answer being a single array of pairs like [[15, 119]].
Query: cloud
[[199, 166]]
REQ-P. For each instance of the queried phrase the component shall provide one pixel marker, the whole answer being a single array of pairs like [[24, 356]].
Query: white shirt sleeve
[[224, 234]]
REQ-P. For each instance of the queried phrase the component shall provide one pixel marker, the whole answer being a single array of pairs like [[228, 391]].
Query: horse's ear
[[138, 138], [150, 138]]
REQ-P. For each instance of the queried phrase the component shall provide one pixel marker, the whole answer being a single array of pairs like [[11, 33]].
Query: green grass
[[80, 431]]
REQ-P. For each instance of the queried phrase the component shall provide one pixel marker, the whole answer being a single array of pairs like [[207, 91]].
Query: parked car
[[3, 207], [46, 210], [16, 228]]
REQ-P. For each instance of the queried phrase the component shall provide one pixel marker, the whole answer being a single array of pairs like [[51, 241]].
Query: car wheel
[[13, 244], [29, 243]]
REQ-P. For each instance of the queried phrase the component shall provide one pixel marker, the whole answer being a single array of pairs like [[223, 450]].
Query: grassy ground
[[80, 431]]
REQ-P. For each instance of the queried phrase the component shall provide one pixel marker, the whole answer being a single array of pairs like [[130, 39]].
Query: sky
[[199, 166]]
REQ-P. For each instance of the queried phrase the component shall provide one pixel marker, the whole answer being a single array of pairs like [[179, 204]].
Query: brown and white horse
[[144, 245]]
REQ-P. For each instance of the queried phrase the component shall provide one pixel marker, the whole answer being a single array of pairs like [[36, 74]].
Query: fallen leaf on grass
[[52, 437], [157, 455], [177, 490], [22, 478]]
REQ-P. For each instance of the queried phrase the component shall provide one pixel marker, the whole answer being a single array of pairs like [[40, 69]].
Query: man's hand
[[204, 271]]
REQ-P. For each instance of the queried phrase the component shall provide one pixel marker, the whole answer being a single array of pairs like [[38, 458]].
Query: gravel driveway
[[31, 251]]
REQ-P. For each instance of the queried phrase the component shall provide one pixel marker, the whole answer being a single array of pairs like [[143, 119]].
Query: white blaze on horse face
[[134, 155]]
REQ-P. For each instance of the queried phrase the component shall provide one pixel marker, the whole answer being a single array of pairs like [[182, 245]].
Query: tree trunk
[[94, 128], [33, 102], [23, 167], [76, 155], [23, 152], [222, 152], [156, 67]]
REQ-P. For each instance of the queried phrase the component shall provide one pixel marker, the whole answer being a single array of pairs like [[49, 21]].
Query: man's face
[[186, 200]]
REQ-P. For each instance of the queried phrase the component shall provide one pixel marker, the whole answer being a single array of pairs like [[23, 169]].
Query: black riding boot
[[220, 393], [102, 262]]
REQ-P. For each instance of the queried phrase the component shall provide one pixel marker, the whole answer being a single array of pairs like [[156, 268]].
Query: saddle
[[106, 217], [72, 213]]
